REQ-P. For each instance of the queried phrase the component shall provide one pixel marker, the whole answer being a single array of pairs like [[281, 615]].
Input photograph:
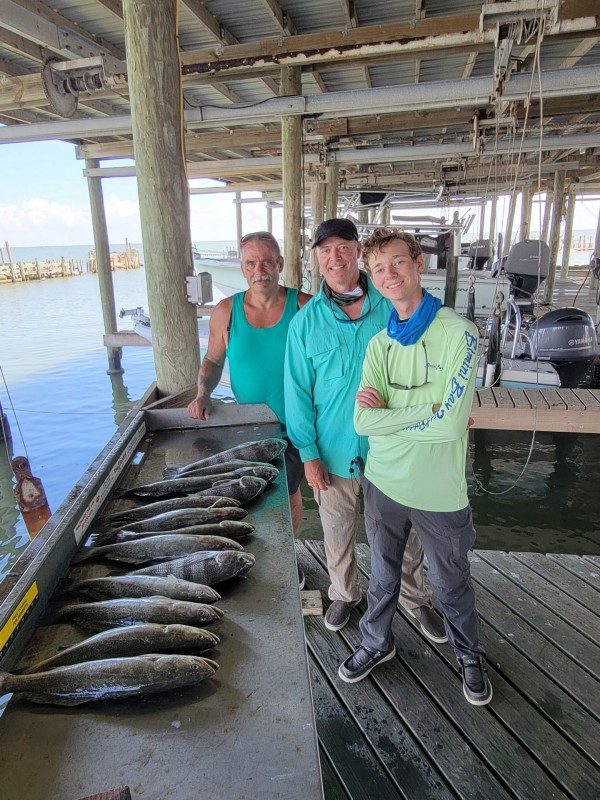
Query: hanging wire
[[4, 431], [535, 71]]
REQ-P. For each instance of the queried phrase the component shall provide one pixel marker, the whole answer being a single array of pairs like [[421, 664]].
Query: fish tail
[[84, 555], [170, 472], [5, 680]]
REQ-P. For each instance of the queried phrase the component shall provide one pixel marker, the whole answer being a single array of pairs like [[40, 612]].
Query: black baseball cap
[[344, 228]]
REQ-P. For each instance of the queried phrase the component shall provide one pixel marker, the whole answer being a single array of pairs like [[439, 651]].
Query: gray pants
[[447, 537], [339, 510]]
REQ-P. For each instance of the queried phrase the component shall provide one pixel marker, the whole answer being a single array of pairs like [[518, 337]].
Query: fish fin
[[105, 536], [54, 699], [85, 555]]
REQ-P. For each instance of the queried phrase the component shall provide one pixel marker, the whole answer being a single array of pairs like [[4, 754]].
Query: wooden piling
[[568, 237], [154, 81], [547, 213], [557, 210], [331, 190], [525, 226], [102, 264], [317, 201], [239, 229], [11, 265], [292, 177], [510, 221]]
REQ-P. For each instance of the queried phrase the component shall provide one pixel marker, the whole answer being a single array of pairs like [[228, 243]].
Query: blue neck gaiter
[[410, 330]]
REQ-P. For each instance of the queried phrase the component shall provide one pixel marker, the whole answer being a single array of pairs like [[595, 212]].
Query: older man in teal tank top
[[250, 329]]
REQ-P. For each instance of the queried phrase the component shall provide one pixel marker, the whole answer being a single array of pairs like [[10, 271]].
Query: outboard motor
[[567, 338]]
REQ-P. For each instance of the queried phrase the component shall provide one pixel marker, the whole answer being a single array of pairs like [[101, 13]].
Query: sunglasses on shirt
[[399, 385]]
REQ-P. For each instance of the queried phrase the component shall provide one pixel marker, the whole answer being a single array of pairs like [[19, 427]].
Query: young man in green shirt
[[413, 403]]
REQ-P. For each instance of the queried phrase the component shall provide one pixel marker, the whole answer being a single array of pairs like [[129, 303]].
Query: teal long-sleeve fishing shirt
[[323, 365]]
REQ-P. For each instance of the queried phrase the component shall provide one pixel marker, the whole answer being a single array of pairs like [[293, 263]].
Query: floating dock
[[407, 732]]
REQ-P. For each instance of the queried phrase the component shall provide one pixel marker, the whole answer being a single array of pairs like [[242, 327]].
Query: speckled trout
[[261, 450], [136, 640], [109, 679]]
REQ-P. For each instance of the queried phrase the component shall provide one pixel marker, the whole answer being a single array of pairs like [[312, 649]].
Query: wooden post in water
[[547, 213], [493, 212], [451, 273], [331, 190], [568, 237], [510, 221], [525, 214], [557, 209], [239, 227], [293, 195], [102, 263], [269, 218], [317, 202], [156, 111], [11, 265]]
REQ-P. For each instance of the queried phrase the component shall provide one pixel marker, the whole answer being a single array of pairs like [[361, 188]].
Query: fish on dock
[[182, 518], [261, 450], [157, 548], [128, 611], [216, 469], [190, 483], [241, 489], [114, 586], [207, 568], [110, 679], [230, 528], [136, 640], [196, 500]]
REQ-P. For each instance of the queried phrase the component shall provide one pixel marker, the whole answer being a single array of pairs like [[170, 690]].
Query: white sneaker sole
[[478, 702]]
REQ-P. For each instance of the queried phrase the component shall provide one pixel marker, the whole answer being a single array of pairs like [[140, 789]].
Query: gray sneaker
[[476, 686], [338, 614], [361, 662], [431, 623]]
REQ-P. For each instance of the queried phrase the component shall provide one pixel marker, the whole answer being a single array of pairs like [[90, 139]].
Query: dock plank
[[363, 777], [578, 651], [414, 712], [509, 762], [555, 600], [576, 565], [539, 737], [564, 579]]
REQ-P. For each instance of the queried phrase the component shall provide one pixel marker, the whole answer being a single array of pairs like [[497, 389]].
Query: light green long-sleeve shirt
[[416, 457], [323, 363]]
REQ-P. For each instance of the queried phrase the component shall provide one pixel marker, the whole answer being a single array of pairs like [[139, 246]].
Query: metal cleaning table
[[247, 732]]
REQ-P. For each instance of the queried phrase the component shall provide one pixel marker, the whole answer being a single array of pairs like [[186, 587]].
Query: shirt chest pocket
[[326, 360]]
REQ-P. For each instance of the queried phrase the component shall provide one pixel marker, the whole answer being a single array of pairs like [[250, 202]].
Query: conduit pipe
[[473, 92]]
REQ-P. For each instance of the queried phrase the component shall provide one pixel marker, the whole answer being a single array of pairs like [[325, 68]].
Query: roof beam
[[210, 22], [283, 22], [43, 26]]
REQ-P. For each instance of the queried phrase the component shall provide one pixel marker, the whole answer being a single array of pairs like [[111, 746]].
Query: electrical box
[[199, 288]]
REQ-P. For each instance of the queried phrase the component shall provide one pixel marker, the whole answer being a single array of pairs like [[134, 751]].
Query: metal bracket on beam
[[64, 81]]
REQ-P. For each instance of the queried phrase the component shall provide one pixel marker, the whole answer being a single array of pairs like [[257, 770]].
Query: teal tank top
[[256, 356]]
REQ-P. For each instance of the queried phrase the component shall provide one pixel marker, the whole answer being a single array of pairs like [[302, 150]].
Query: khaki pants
[[339, 510]]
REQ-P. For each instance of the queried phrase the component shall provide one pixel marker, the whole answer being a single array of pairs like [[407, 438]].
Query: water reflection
[[12, 541], [121, 401], [551, 507]]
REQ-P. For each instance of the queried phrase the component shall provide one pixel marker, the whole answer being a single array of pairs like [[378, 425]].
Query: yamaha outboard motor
[[567, 338]]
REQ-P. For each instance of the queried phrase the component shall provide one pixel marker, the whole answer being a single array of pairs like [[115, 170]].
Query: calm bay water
[[63, 407]]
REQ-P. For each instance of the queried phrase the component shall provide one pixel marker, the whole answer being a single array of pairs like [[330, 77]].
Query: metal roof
[[441, 71]]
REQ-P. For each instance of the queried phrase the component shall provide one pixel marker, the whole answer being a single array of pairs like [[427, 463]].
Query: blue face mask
[[411, 330]]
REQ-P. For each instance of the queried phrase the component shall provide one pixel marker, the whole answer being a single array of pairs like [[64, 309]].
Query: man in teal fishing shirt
[[414, 402], [250, 329], [327, 340]]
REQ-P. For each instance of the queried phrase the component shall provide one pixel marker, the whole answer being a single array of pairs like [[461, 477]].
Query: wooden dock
[[407, 732], [554, 410]]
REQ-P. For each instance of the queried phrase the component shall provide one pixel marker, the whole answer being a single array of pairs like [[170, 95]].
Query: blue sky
[[44, 201]]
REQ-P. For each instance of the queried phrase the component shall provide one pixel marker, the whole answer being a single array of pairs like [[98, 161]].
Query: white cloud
[[38, 221]]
